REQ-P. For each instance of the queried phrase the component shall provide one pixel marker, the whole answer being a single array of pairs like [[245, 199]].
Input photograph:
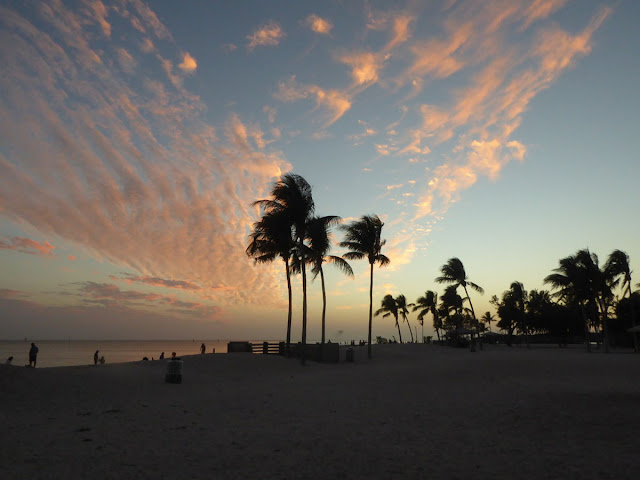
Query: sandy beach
[[414, 411]]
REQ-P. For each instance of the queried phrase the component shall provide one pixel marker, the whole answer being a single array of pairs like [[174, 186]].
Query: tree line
[[581, 300], [581, 303]]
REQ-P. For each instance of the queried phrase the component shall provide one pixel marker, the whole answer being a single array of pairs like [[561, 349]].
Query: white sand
[[414, 411]]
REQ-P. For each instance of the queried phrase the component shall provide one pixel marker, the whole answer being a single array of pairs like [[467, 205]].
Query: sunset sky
[[134, 137]]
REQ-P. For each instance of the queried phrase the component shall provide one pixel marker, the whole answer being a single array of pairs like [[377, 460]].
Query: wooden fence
[[265, 348]]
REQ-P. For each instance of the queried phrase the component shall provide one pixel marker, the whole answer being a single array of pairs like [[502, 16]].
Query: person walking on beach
[[33, 355], [203, 348], [95, 357]]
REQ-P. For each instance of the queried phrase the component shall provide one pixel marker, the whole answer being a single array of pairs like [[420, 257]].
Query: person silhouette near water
[[33, 355], [162, 356], [203, 348], [95, 357]]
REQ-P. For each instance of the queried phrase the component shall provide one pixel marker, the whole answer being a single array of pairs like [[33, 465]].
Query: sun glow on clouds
[[26, 245], [319, 25], [269, 35], [128, 171]]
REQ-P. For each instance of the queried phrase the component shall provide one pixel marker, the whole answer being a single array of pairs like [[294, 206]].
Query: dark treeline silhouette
[[581, 306], [289, 230]]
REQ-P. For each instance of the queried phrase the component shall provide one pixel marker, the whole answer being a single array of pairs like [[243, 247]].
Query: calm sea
[[61, 353]]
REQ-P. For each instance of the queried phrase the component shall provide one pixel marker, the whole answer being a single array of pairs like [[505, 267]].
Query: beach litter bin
[[349, 354], [174, 371]]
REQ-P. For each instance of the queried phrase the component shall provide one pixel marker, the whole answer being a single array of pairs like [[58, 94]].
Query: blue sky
[[135, 136]]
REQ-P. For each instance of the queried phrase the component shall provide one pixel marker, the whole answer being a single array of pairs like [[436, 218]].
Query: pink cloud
[[269, 34], [26, 245], [133, 174], [319, 25]]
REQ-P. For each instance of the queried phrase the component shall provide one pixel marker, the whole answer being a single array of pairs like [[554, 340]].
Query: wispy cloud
[[26, 245], [158, 282], [335, 102], [268, 35]]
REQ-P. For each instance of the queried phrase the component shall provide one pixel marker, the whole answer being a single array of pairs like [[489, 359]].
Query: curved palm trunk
[[436, 323], [410, 331], [288, 345], [370, 311], [398, 327], [475, 320], [324, 303]]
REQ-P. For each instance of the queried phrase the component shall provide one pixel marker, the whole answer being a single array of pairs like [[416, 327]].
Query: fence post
[[265, 348]]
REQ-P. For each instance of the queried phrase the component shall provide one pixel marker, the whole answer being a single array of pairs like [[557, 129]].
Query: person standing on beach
[[203, 348], [33, 355], [95, 357]]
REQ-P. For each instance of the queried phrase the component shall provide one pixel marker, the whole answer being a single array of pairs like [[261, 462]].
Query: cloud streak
[[26, 245]]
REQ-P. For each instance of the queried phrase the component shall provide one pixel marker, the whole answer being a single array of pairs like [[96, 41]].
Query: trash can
[[174, 371], [349, 354]]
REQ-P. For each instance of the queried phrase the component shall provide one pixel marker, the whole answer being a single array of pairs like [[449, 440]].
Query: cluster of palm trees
[[450, 314], [579, 286], [583, 299], [289, 229]]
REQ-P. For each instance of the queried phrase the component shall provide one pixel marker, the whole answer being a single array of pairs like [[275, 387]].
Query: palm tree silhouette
[[363, 239], [389, 306], [291, 196], [452, 305], [487, 318], [453, 272], [428, 304], [617, 269], [519, 295], [272, 238], [318, 233], [580, 282], [403, 310]]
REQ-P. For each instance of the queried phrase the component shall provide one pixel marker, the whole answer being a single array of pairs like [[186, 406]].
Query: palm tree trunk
[[324, 303], [370, 311], [399, 333], [475, 320], [288, 346], [409, 325], [304, 303]]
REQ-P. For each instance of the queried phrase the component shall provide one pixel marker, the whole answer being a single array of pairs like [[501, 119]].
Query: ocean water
[[61, 353]]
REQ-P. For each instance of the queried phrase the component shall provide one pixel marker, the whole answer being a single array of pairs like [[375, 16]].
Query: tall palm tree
[[272, 238], [318, 233], [618, 270], [363, 239], [453, 272], [428, 304], [291, 196], [403, 310], [389, 307]]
